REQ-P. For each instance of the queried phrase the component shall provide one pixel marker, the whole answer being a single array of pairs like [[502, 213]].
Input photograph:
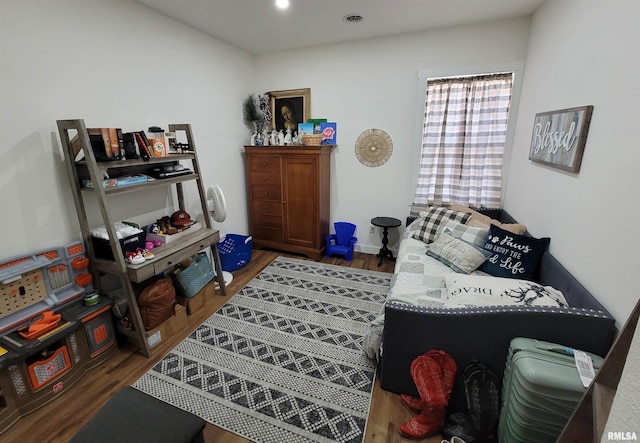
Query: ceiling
[[257, 26]]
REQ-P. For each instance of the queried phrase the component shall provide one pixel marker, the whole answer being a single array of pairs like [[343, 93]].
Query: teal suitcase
[[540, 390]]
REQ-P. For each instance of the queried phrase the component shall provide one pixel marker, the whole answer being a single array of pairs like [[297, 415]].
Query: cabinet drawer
[[267, 207], [267, 221], [267, 234], [261, 178], [173, 259], [266, 192], [264, 164]]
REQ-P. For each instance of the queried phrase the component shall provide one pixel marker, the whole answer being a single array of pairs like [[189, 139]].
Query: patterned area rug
[[282, 361]]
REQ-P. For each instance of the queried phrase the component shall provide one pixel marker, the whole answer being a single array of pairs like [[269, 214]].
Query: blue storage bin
[[235, 251]]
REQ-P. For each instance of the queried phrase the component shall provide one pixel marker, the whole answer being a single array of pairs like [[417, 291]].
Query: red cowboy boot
[[414, 404], [448, 368], [429, 422], [427, 376]]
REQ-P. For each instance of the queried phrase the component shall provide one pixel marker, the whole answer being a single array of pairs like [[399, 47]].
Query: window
[[464, 133]]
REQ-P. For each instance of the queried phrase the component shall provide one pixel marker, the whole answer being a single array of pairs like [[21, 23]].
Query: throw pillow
[[481, 220], [470, 234], [433, 217], [513, 255], [459, 255], [475, 290]]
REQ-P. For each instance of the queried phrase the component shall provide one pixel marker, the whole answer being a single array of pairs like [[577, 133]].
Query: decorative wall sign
[[290, 107], [559, 137]]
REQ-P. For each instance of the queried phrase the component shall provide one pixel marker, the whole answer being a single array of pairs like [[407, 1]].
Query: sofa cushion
[[430, 220], [513, 255], [474, 290], [470, 234], [456, 253], [481, 220]]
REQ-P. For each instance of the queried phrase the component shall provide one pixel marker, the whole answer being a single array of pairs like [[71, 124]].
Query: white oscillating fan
[[217, 206], [216, 203]]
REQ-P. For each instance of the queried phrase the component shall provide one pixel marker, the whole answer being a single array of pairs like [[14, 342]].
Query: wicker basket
[[311, 139]]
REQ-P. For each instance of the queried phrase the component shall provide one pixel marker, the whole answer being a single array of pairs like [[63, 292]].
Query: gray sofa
[[485, 333]]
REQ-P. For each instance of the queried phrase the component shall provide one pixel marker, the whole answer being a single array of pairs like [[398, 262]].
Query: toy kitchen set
[[53, 328]]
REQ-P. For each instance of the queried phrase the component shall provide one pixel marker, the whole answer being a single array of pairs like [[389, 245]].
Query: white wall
[[113, 63], [373, 84], [584, 52]]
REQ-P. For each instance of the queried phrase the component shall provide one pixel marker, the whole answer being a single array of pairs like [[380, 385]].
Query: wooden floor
[[59, 420]]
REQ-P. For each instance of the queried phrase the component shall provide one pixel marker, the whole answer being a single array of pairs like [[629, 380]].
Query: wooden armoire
[[289, 197]]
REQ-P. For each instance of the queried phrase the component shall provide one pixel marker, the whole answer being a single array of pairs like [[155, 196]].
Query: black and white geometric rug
[[282, 360]]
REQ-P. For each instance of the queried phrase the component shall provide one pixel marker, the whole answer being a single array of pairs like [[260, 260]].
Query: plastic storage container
[[235, 251], [102, 247]]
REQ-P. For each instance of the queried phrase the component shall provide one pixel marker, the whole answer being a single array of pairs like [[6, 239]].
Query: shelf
[[150, 184], [139, 162], [166, 256]]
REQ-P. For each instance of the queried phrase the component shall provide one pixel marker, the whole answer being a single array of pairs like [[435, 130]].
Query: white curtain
[[463, 137]]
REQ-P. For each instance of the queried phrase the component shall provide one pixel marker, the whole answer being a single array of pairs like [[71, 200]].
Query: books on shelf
[[105, 142], [119, 181], [328, 131], [316, 124], [112, 144]]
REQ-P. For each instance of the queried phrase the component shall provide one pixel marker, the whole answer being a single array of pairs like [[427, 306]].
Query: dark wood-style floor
[[59, 420]]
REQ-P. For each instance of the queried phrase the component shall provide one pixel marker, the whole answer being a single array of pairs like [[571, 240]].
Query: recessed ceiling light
[[282, 4], [352, 18]]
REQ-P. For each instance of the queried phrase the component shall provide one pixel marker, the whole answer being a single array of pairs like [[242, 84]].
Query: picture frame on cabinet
[[559, 137], [290, 107]]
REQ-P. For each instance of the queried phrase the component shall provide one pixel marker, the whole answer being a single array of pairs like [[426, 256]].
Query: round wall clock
[[374, 147]]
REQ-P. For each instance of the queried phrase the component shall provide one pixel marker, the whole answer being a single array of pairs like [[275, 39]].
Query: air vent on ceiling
[[352, 18]]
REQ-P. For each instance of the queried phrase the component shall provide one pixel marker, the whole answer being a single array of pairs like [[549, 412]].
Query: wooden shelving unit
[[165, 257]]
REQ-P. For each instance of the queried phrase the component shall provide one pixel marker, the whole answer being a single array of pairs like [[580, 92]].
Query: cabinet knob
[[266, 192], [264, 163]]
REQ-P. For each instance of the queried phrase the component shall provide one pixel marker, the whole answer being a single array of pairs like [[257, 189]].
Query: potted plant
[[257, 114]]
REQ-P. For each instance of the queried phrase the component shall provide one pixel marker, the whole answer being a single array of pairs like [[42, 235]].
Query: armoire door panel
[[300, 200]]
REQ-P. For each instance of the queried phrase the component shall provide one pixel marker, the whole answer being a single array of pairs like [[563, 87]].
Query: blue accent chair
[[342, 241]]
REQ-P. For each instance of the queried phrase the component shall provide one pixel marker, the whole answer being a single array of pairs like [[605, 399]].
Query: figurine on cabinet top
[[280, 138]]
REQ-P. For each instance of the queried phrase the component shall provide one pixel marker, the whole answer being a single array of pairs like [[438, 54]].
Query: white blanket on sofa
[[418, 280]]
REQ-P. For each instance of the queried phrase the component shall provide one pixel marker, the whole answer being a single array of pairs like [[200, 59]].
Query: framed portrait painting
[[559, 137], [290, 107]]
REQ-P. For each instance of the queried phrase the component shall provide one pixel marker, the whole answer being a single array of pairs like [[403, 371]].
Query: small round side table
[[385, 223]]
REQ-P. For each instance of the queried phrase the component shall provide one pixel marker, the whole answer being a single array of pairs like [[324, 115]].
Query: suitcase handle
[[555, 348]]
